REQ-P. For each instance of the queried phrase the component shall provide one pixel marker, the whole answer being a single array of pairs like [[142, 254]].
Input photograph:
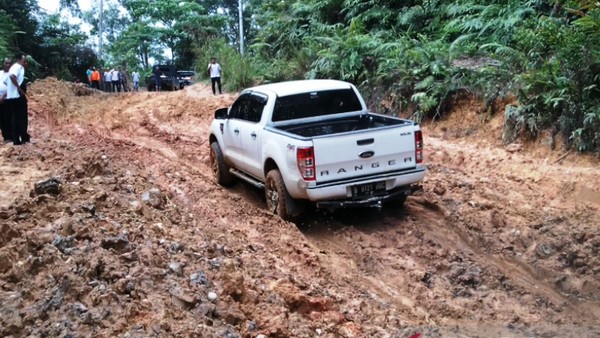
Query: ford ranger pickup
[[315, 141]]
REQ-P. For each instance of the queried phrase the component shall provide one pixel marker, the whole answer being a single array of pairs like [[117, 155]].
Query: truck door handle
[[253, 135], [237, 131], [365, 142]]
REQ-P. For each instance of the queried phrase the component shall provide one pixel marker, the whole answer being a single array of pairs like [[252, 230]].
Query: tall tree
[[65, 54]]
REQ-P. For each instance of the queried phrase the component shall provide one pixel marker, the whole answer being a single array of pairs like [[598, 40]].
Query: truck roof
[[301, 86]]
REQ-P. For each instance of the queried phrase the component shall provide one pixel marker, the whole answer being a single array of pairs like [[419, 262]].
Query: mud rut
[[497, 244]]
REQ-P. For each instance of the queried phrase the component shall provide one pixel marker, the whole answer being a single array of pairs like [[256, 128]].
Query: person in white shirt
[[17, 100], [5, 113], [214, 69], [114, 75], [107, 81], [136, 80]]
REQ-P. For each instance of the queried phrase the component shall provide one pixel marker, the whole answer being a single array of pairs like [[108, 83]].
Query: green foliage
[[65, 53], [7, 30], [558, 84]]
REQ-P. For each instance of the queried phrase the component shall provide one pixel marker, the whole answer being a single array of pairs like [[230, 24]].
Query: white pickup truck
[[315, 140]]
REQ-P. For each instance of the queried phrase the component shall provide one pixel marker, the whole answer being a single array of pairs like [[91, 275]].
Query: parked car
[[168, 79]]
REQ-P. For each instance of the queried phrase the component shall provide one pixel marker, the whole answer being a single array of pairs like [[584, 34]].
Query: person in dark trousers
[[122, 79], [95, 77], [214, 70], [157, 74], [5, 112], [114, 76], [17, 99]]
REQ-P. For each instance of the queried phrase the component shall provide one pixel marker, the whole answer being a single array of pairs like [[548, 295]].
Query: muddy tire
[[219, 167], [279, 200]]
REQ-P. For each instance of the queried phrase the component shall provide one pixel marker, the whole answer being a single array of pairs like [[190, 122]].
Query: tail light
[[418, 146], [305, 157]]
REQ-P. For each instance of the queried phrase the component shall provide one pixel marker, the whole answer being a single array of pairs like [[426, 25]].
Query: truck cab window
[[256, 105], [238, 107], [312, 104], [248, 108]]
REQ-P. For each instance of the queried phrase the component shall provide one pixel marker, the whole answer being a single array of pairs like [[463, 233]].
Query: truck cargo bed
[[342, 125]]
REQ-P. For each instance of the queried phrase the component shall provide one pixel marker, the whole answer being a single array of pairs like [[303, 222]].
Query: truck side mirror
[[221, 113]]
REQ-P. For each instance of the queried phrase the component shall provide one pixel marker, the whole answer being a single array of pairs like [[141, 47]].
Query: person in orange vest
[[95, 79]]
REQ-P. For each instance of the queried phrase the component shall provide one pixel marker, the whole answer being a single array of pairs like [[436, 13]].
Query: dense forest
[[541, 57]]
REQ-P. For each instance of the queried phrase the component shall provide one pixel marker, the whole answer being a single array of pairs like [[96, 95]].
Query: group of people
[[113, 80], [13, 91], [117, 80], [13, 100]]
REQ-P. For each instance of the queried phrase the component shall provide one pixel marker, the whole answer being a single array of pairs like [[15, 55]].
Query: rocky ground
[[112, 226]]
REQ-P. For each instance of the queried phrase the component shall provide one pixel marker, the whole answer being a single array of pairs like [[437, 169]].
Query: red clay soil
[[135, 238]]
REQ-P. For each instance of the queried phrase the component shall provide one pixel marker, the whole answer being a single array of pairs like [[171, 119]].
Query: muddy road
[[140, 241]]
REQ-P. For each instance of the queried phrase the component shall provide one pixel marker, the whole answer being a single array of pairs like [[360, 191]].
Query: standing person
[[107, 80], [17, 99], [89, 72], [214, 70], [122, 80], [136, 80], [5, 112], [126, 80], [95, 79], [114, 77], [157, 78]]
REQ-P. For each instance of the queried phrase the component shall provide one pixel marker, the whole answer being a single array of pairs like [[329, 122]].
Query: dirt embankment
[[136, 239]]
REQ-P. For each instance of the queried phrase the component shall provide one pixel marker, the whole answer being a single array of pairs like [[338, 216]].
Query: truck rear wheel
[[279, 200], [219, 167]]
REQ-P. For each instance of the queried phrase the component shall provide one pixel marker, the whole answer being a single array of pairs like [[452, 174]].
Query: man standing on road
[[95, 79], [126, 80], [136, 80], [122, 80], [114, 76], [107, 80], [88, 72], [17, 100], [5, 112], [214, 70], [157, 75]]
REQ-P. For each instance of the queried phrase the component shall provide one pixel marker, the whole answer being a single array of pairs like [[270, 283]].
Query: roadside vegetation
[[537, 62]]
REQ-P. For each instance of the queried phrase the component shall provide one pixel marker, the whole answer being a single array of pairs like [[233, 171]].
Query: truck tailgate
[[365, 153]]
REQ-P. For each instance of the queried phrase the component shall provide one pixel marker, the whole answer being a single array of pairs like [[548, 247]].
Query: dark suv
[[168, 78]]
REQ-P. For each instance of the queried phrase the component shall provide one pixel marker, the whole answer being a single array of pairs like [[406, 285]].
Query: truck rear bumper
[[374, 201], [340, 194]]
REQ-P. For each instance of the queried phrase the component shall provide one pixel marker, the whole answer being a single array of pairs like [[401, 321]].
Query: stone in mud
[[199, 278], [176, 268], [64, 244], [154, 198], [183, 300], [118, 243], [439, 190], [50, 186], [6, 260], [7, 233]]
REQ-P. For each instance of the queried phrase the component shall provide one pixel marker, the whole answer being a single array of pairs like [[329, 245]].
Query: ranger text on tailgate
[[315, 140]]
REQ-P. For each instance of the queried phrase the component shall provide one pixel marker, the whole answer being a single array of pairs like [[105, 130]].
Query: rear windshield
[[185, 73], [314, 104]]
